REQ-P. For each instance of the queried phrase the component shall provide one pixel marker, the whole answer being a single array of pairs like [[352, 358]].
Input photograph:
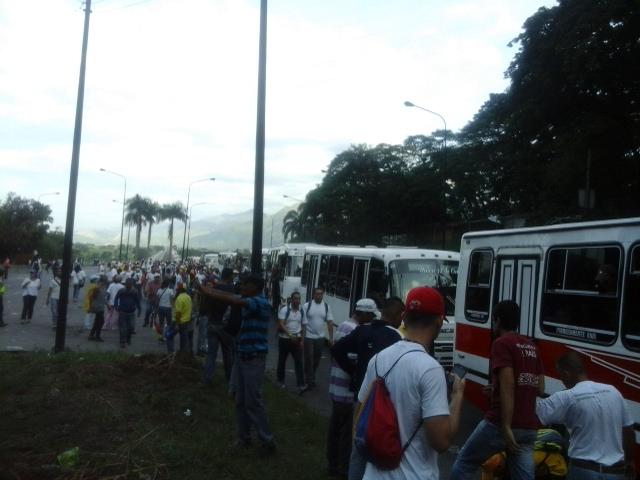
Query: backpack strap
[[286, 315], [326, 310], [383, 377]]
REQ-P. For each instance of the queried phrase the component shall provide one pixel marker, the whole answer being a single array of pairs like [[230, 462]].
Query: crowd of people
[[232, 313]]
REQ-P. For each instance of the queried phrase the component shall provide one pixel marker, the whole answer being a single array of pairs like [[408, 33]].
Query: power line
[[121, 7]]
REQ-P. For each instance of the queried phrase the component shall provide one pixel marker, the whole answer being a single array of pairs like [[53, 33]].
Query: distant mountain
[[221, 232]]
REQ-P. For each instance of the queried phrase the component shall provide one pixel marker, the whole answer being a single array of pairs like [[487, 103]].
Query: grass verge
[[126, 414]]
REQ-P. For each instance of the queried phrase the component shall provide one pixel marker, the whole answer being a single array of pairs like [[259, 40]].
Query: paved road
[[38, 335]]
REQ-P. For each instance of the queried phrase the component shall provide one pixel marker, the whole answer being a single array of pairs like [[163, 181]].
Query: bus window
[[478, 294], [305, 271], [406, 274], [581, 295], [631, 314], [323, 276], [345, 271], [377, 285], [333, 273], [294, 266]]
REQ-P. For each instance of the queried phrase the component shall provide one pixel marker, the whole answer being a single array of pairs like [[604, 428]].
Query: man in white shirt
[[291, 332], [418, 389], [318, 314], [600, 427]]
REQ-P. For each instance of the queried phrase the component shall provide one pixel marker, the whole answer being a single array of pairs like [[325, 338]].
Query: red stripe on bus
[[473, 340]]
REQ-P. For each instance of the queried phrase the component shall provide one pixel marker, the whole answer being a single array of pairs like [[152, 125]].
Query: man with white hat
[[372, 336]]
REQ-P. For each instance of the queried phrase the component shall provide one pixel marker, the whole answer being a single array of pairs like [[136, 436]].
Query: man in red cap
[[418, 390]]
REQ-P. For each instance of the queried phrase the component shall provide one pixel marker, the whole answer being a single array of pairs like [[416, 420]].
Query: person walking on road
[[165, 296], [112, 314], [418, 390], [127, 303], [371, 337], [182, 308], [53, 297], [97, 305], [78, 278], [2, 290], [341, 420], [601, 432], [318, 315], [292, 326], [510, 424], [221, 323], [249, 367], [30, 287], [6, 265]]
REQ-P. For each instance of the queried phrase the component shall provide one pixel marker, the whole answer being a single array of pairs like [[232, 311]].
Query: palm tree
[[135, 216], [171, 212], [293, 223], [151, 213]]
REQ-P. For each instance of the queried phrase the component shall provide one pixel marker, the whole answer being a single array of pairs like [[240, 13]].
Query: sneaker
[[302, 389], [281, 385]]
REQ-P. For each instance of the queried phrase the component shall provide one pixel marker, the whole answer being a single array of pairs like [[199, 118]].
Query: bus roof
[[389, 253], [561, 227]]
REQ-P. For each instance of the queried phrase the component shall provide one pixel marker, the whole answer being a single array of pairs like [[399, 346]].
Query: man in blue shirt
[[249, 366]]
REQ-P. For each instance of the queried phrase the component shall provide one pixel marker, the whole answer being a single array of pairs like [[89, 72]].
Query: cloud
[[171, 91]]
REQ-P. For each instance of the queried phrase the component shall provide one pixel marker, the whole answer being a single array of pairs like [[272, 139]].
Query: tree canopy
[[23, 223], [570, 117]]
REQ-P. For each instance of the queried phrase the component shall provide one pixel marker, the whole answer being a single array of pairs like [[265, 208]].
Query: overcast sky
[[171, 91]]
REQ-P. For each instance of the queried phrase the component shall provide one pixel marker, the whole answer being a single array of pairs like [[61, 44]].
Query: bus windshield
[[294, 266], [440, 274]]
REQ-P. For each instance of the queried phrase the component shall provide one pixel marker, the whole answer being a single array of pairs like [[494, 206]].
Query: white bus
[[288, 259], [211, 260], [578, 287], [348, 274]]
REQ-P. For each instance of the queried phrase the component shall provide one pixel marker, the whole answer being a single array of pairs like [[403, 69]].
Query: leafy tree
[[292, 224], [135, 215], [23, 223], [171, 212], [151, 214]]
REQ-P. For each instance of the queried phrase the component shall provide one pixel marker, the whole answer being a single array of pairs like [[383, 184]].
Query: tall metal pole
[[258, 191], [73, 188], [124, 204]]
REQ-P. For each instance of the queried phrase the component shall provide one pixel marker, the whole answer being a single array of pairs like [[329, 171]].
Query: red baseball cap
[[425, 300]]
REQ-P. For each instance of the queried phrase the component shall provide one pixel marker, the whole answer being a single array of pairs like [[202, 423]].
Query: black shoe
[[91, 338], [269, 448], [99, 339]]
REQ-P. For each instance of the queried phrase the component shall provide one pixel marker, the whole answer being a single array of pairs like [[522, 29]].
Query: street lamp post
[[410, 104], [124, 202], [293, 198], [48, 193], [184, 236], [189, 219], [444, 190]]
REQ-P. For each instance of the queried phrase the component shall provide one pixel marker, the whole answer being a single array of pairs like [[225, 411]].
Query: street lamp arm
[[411, 104]]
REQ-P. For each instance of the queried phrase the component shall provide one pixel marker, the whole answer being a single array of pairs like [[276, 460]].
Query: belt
[[616, 468], [251, 355]]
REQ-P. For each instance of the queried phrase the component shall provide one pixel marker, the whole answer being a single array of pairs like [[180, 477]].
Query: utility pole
[[73, 188], [258, 191]]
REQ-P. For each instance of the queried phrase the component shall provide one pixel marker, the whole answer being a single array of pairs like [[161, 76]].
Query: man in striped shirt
[[340, 424], [249, 367]]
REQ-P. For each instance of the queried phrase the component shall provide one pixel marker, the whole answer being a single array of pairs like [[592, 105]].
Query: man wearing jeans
[[220, 315], [292, 325], [250, 363], [511, 422], [318, 314], [126, 303]]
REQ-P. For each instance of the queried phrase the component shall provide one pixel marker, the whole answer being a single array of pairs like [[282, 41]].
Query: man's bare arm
[[222, 296]]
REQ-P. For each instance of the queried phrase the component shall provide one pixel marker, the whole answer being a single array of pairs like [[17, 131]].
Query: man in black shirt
[[223, 324]]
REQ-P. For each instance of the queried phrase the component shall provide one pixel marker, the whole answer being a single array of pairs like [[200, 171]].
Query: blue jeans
[[248, 377], [577, 473], [185, 331], [125, 326], [485, 441], [218, 338], [357, 464]]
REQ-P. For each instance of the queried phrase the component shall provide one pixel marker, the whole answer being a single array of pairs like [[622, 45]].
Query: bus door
[[360, 268], [313, 276], [517, 280]]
